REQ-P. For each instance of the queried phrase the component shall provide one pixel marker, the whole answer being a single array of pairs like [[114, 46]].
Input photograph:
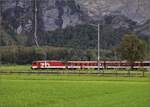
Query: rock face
[[60, 13], [138, 10], [18, 15]]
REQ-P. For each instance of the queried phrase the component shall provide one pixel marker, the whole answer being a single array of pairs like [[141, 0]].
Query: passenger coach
[[43, 64]]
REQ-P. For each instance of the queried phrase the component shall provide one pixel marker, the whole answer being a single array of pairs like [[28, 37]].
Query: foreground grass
[[73, 91], [15, 68]]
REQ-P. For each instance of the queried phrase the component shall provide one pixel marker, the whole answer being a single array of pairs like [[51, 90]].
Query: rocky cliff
[[52, 14]]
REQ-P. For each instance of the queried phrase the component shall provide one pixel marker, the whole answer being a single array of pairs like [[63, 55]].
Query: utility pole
[[35, 23], [98, 44], [98, 47], [0, 59], [149, 42]]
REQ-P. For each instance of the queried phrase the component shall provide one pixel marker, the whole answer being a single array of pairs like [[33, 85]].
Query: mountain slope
[[118, 16], [54, 14]]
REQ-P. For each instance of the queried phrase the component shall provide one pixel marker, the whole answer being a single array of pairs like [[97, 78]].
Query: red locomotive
[[43, 64], [48, 64]]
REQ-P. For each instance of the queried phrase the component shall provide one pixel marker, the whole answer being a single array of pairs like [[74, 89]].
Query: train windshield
[[34, 62]]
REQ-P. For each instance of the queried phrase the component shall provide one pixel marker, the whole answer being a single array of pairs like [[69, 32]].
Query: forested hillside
[[66, 24]]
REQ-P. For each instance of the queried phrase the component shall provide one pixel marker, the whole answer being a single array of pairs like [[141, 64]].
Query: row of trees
[[131, 48], [80, 36], [25, 55]]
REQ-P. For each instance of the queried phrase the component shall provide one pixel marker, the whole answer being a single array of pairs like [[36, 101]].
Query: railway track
[[78, 73]]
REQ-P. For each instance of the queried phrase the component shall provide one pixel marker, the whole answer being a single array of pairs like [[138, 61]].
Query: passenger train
[[44, 64]]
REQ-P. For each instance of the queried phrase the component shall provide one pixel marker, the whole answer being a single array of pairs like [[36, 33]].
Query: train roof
[[47, 61], [95, 61], [89, 61], [82, 61], [124, 61]]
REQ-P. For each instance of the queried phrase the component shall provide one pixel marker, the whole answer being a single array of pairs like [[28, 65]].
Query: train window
[[135, 64], [96, 64], [146, 64], [76, 64], [93, 64]]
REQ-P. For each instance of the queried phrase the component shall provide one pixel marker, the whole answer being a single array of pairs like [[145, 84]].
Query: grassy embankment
[[73, 91]]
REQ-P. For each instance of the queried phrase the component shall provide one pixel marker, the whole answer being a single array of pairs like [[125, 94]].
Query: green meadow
[[18, 90]]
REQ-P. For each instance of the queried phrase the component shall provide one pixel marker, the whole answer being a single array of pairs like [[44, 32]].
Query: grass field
[[15, 68], [73, 91]]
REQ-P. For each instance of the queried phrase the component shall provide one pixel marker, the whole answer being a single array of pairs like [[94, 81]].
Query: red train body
[[47, 64], [87, 64]]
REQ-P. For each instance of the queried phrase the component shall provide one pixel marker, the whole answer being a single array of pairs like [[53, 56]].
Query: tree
[[91, 55], [132, 49]]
